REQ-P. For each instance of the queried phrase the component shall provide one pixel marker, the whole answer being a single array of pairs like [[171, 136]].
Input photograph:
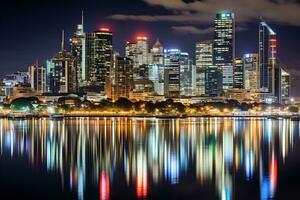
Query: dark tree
[[123, 104], [150, 107]]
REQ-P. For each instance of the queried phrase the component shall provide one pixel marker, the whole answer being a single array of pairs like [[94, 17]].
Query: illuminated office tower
[[99, 57], [285, 83], [172, 73], [186, 75], [277, 83], [156, 67], [121, 79], [267, 57], [213, 81], [37, 78], [62, 72], [224, 46], [251, 72], [238, 73], [138, 52], [204, 59], [78, 49]]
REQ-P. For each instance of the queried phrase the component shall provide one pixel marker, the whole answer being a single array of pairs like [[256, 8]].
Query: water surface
[[148, 158]]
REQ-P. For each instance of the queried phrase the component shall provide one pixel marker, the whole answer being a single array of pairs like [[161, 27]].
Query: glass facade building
[[238, 74], [204, 60], [224, 47], [99, 57], [251, 72]]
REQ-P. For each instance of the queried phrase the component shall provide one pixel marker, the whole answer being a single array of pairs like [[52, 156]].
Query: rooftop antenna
[[62, 40]]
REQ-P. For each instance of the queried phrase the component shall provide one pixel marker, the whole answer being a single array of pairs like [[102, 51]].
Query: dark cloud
[[191, 30], [202, 12]]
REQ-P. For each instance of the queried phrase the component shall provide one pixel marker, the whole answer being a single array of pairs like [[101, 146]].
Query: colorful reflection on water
[[139, 158]]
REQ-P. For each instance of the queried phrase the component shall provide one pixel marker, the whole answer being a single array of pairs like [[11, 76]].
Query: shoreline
[[296, 117]]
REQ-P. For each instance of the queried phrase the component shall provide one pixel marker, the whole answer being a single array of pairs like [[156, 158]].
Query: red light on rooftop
[[142, 38], [105, 29]]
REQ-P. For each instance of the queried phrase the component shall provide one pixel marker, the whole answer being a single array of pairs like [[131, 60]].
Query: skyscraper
[[267, 57], [270, 70], [277, 83], [172, 73], [224, 46], [186, 75], [285, 83], [156, 67], [62, 72], [213, 81], [238, 73], [138, 53], [78, 49], [251, 72], [37, 78], [204, 60], [121, 78], [99, 57]]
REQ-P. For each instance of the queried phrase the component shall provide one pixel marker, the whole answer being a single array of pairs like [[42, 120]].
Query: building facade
[[62, 73], [121, 78], [186, 75], [172, 73], [78, 50], [267, 57], [99, 57], [285, 83], [37, 78], [224, 47], [156, 67], [138, 52], [213, 81], [204, 60], [238, 73], [251, 72]]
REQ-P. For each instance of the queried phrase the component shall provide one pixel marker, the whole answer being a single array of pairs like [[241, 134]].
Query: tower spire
[[82, 18], [62, 40]]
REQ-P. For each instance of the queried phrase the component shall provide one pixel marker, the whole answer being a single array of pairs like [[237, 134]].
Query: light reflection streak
[[151, 151]]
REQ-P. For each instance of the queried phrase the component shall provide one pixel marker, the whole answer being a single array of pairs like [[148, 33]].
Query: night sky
[[31, 29]]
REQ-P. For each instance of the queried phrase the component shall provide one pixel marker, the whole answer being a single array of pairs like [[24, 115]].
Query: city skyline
[[246, 39], [150, 99]]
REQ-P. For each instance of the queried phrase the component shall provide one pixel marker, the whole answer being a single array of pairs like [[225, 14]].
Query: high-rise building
[[238, 73], [204, 60], [270, 70], [11, 80], [251, 72], [156, 67], [121, 78], [186, 75], [62, 72], [277, 83], [285, 83], [267, 57], [138, 53], [99, 57], [78, 49], [172, 73], [224, 46], [37, 78], [213, 81]]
